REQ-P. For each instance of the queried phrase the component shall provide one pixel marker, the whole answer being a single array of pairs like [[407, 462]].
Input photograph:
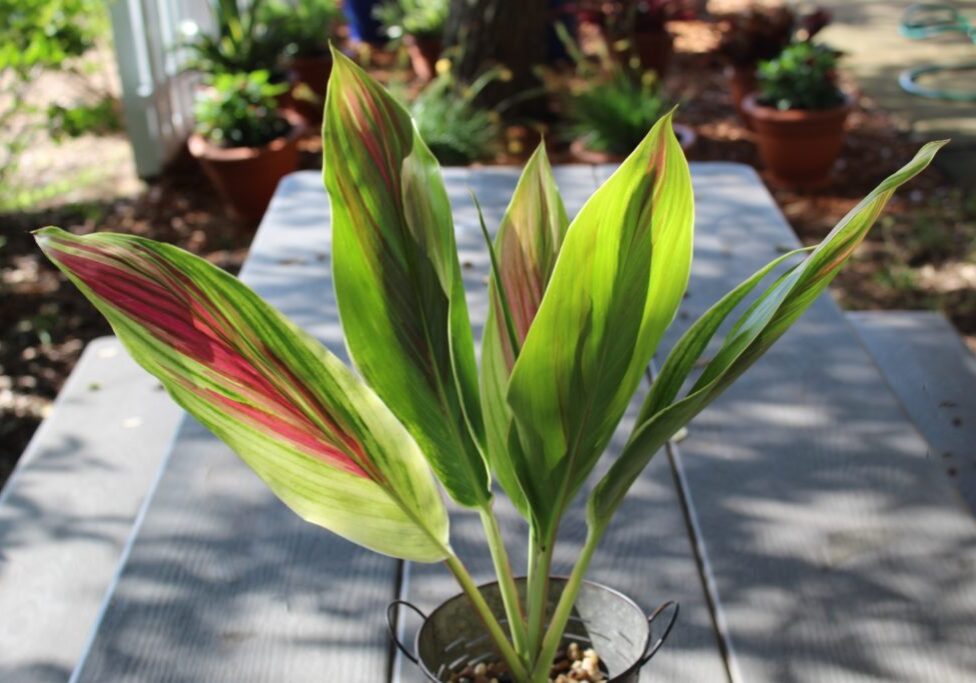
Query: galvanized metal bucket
[[452, 637]]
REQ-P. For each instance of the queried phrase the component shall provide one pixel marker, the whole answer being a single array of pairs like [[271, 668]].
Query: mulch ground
[[920, 256]]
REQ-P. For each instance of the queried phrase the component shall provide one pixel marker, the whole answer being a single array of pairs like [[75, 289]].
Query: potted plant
[[609, 106], [638, 28], [758, 34], [609, 118], [244, 143], [303, 28], [456, 129], [240, 42], [420, 24], [798, 114], [576, 313]]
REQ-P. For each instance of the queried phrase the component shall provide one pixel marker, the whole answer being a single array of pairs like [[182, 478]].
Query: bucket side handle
[[391, 624], [653, 648]]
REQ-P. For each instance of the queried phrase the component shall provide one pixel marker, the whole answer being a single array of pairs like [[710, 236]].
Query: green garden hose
[[924, 20]]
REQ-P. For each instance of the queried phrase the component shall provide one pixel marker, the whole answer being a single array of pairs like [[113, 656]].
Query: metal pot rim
[[648, 650]]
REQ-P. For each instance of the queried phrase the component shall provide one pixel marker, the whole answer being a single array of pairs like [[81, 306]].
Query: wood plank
[[223, 583], [646, 553], [933, 374], [839, 550], [68, 509]]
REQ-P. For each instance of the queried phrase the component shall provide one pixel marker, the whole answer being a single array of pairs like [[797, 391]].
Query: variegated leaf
[[316, 434], [616, 286], [397, 277], [526, 244], [765, 321]]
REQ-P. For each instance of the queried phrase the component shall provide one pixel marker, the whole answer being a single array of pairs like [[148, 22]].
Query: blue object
[[362, 24]]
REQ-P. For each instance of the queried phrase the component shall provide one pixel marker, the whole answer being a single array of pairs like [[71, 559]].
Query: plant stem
[[506, 581], [512, 660], [560, 616], [537, 588]]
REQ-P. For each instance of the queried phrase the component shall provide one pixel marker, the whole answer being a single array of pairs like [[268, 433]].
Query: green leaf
[[527, 243], [616, 286], [397, 277], [765, 321], [310, 428]]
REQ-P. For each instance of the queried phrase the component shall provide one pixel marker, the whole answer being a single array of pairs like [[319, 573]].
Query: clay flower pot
[[583, 154], [742, 81], [798, 147], [424, 53], [246, 177], [312, 72]]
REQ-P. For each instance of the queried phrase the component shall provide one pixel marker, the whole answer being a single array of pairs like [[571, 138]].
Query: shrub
[[240, 110], [457, 130], [418, 18], [803, 76], [301, 28]]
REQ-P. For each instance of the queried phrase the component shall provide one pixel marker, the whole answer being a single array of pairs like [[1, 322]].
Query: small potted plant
[[420, 24], [456, 129], [576, 311], [609, 118], [240, 43], [638, 28], [609, 106], [244, 143], [798, 114], [303, 29], [758, 34]]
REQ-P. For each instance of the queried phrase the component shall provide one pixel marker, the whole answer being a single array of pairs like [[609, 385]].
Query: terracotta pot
[[654, 48], [742, 81], [246, 177], [424, 53], [798, 147], [578, 148], [311, 73]]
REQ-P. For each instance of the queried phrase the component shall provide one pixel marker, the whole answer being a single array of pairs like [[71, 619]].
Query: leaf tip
[[43, 236]]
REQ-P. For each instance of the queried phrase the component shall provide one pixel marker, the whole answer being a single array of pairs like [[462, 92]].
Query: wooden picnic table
[[802, 525]]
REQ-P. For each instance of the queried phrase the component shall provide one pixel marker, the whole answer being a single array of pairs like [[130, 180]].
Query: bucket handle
[[391, 625], [667, 629]]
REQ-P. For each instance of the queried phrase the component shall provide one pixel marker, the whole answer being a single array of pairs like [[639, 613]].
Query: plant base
[[452, 638]]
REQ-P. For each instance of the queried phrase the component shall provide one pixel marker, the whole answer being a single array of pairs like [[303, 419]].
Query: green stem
[[564, 608], [537, 589], [512, 660], [506, 581]]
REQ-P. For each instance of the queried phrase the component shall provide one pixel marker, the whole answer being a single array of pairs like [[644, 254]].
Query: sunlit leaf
[[397, 277], [616, 286], [765, 321], [316, 434], [526, 244]]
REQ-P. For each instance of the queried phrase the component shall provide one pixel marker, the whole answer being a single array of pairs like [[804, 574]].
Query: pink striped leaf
[[616, 286], [311, 429], [526, 244], [397, 278]]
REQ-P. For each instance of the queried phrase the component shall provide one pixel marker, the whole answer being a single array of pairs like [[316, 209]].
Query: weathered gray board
[[646, 554], [223, 583], [68, 509], [933, 374], [839, 549]]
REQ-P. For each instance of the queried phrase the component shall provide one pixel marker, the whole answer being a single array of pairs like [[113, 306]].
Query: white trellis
[[157, 95]]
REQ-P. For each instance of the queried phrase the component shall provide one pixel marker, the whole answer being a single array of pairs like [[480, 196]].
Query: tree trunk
[[513, 33]]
